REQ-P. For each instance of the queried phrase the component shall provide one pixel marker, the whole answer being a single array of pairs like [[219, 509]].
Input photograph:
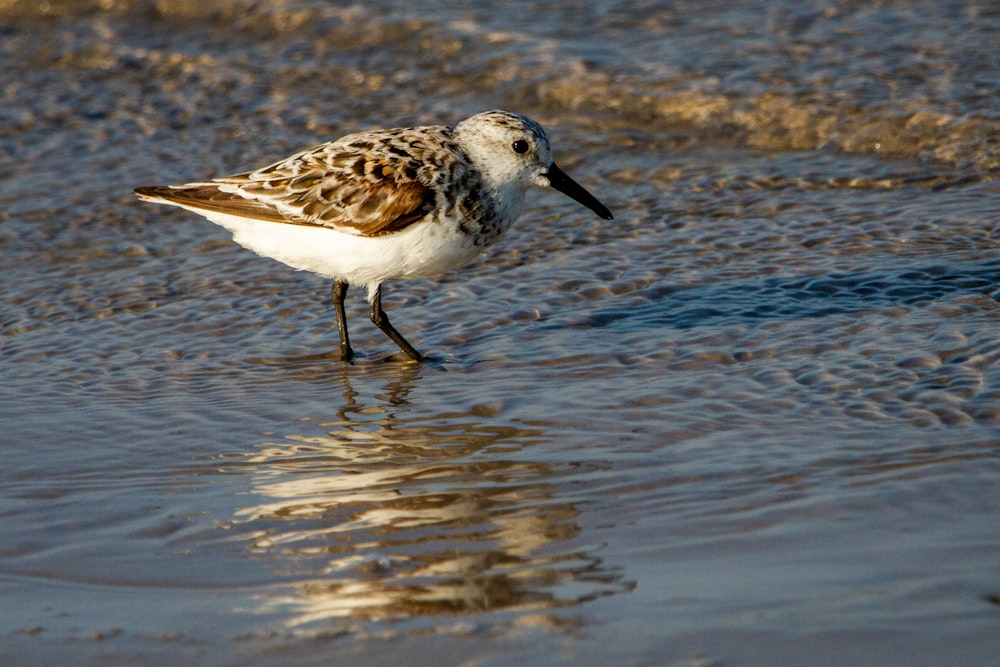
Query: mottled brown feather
[[206, 196], [367, 187]]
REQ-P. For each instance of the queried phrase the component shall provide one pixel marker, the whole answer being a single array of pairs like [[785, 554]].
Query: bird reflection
[[384, 512]]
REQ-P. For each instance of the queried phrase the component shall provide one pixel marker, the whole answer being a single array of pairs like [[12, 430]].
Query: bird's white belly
[[422, 250]]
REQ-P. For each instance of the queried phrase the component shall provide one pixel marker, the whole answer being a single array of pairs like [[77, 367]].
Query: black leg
[[381, 320], [339, 291]]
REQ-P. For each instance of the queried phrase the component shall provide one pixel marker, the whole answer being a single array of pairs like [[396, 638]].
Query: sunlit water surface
[[753, 420]]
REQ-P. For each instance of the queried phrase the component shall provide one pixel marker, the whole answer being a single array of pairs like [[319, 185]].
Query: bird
[[380, 205]]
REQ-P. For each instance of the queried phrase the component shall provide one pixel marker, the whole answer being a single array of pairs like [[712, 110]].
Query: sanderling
[[402, 203]]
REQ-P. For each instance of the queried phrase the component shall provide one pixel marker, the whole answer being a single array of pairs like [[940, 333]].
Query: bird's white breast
[[424, 249]]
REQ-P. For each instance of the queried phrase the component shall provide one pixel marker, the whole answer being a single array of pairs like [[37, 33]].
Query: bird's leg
[[381, 320], [339, 292]]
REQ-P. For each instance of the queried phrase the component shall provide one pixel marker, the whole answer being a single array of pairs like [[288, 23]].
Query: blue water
[[753, 420]]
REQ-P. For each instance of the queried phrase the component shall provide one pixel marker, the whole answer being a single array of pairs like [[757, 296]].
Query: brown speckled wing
[[367, 184], [207, 197]]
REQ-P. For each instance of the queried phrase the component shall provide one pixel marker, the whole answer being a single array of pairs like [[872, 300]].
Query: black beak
[[566, 185]]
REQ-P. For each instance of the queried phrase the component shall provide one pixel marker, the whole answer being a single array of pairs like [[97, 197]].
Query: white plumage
[[382, 205]]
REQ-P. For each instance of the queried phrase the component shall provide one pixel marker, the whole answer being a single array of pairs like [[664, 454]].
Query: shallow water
[[753, 420]]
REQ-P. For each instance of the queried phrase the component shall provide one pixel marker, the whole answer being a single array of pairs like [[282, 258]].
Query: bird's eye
[[520, 146]]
